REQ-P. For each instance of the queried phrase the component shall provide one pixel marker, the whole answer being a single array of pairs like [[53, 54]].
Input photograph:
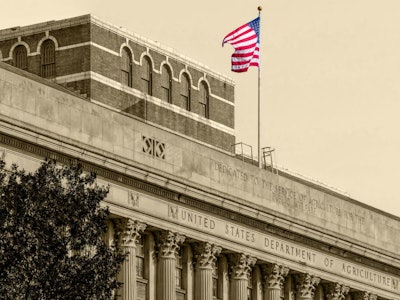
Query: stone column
[[205, 258], [128, 233], [274, 278], [306, 285], [364, 296], [168, 246], [241, 265], [336, 291]]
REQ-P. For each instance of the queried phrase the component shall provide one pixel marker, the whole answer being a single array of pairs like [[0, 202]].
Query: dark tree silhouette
[[51, 227]]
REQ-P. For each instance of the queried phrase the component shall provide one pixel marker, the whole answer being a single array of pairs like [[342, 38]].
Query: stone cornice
[[171, 195]]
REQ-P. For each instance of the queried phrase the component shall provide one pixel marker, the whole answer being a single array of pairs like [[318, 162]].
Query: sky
[[330, 77]]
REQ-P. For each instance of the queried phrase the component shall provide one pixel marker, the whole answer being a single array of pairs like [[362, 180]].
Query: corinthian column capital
[[306, 285], [168, 243], [206, 254], [241, 265], [336, 291], [129, 231], [364, 296], [274, 276]]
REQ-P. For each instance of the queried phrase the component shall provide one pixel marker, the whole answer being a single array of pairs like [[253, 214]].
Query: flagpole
[[259, 96]]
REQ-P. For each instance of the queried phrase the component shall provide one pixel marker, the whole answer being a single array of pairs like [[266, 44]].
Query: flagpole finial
[[259, 8]]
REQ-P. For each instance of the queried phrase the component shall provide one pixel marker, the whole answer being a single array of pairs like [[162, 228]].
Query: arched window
[[204, 100], [185, 92], [20, 57], [166, 84], [146, 76], [126, 67], [48, 59]]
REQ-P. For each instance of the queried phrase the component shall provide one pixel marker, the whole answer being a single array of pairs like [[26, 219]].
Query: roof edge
[[89, 18]]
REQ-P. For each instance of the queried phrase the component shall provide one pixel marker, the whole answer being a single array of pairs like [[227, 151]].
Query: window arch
[[166, 83], [48, 59], [126, 67], [146, 75], [20, 57], [185, 92], [204, 100]]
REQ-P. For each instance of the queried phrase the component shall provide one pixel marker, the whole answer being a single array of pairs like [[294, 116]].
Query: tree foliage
[[51, 227]]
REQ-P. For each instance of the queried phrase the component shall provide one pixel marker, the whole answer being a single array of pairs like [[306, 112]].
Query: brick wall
[[72, 35], [102, 57]]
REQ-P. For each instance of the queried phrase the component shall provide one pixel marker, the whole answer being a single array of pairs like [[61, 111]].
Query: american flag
[[246, 41]]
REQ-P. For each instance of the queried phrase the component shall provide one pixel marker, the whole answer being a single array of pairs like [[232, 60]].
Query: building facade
[[197, 223], [128, 74]]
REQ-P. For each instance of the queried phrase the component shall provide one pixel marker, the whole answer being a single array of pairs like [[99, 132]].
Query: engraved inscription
[[280, 248], [290, 198], [364, 273], [289, 250], [239, 233]]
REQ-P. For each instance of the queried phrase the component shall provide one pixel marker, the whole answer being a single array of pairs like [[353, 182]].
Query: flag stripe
[[247, 34], [251, 54], [236, 33], [246, 42], [246, 48]]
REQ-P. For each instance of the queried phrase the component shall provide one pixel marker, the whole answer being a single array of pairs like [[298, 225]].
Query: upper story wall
[[172, 91], [71, 47], [197, 170], [89, 58]]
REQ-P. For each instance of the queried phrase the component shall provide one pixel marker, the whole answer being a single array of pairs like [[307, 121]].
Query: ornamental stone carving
[[128, 231], [364, 296], [336, 291], [306, 285], [168, 243], [241, 265], [206, 254], [274, 276]]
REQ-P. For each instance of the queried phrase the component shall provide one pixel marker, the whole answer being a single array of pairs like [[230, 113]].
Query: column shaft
[[128, 274], [204, 283], [241, 266], [166, 278], [239, 289], [206, 256], [129, 231], [272, 294], [168, 245]]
